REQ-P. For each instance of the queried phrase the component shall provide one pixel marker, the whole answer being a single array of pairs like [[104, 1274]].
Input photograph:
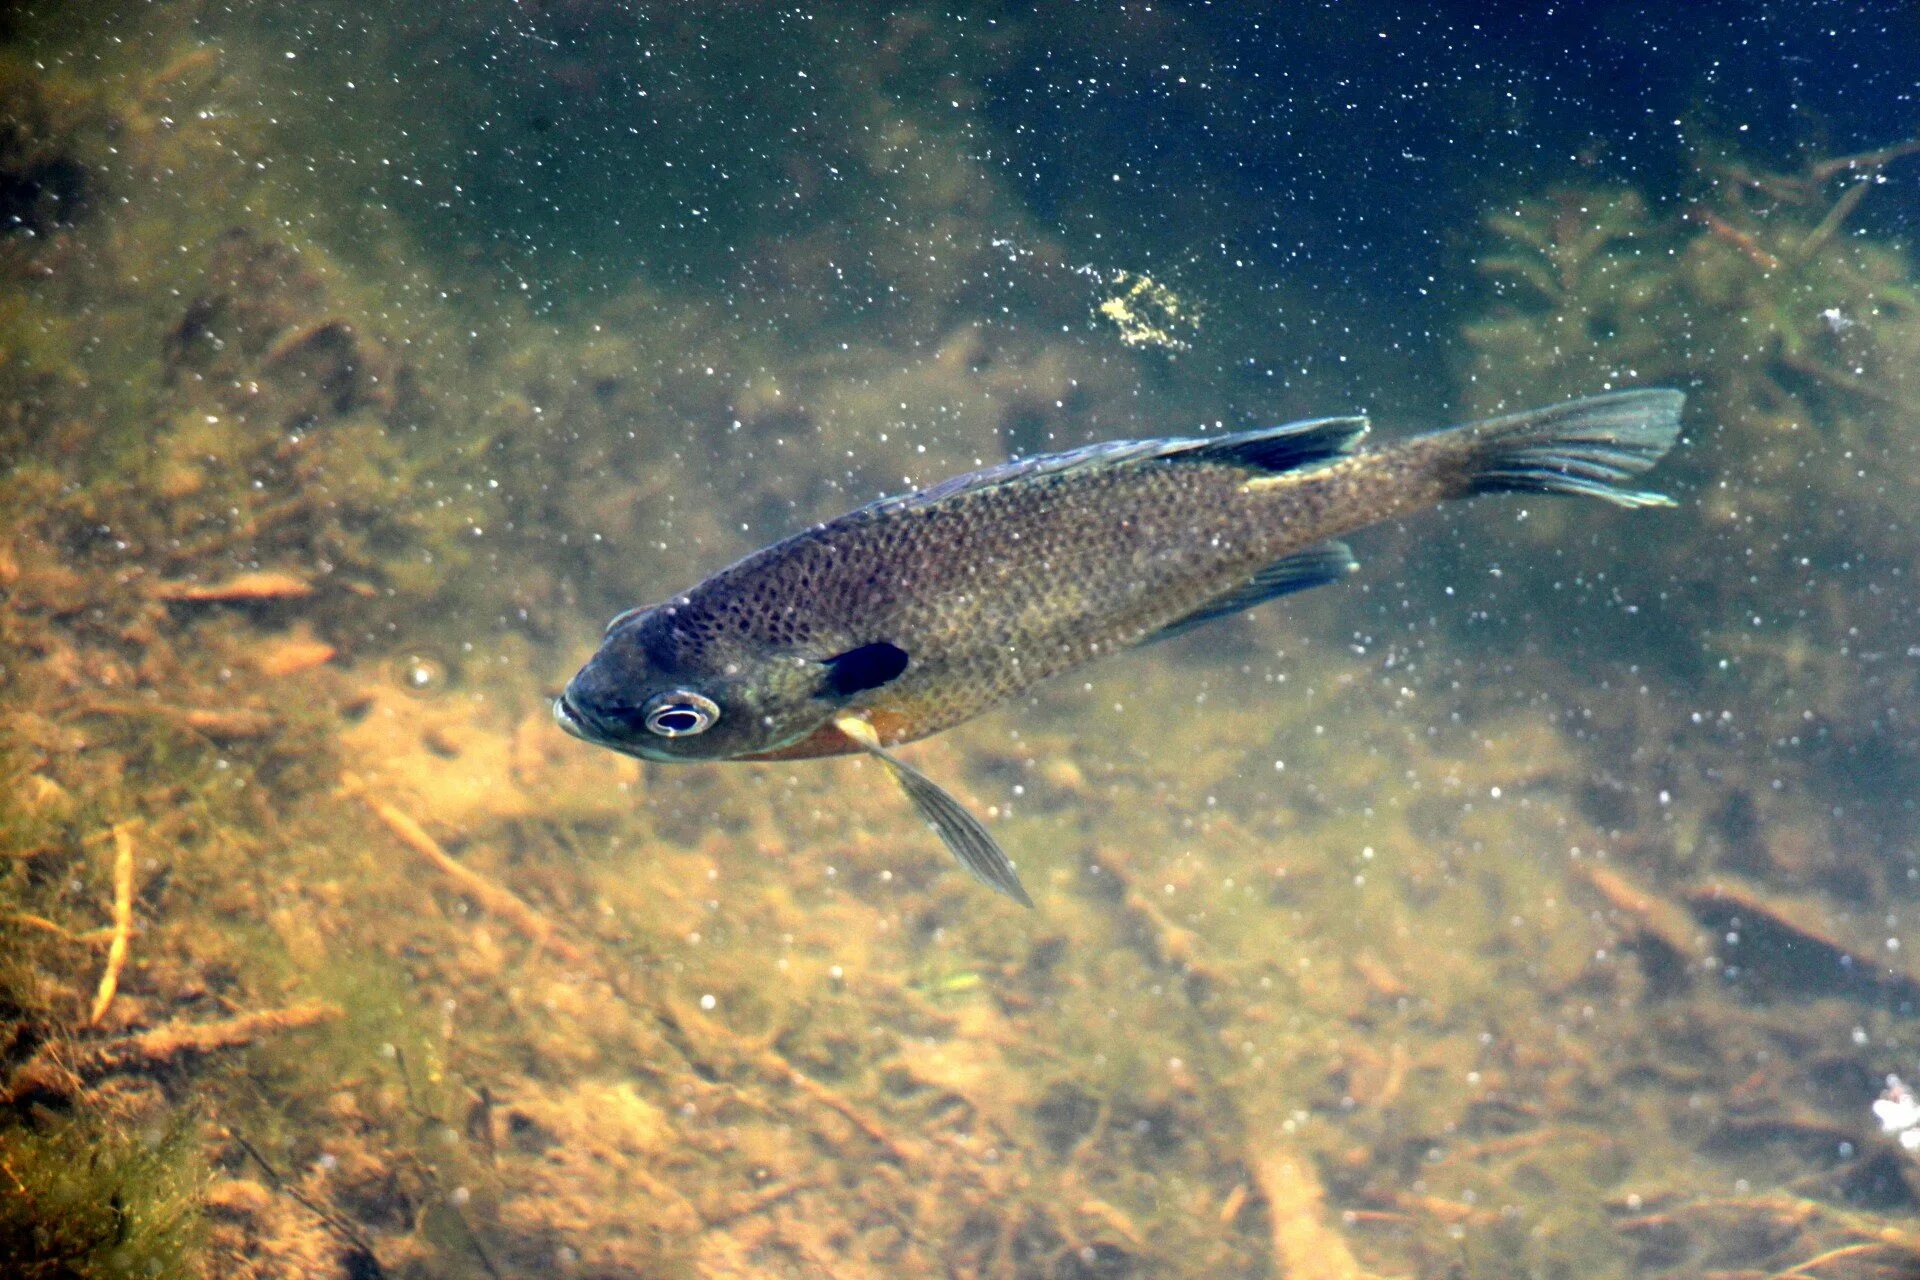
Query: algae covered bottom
[[1538, 904]]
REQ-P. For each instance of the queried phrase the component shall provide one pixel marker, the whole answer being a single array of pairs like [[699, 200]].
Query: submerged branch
[[1865, 160], [1304, 1246], [61, 1069], [122, 922], [493, 898]]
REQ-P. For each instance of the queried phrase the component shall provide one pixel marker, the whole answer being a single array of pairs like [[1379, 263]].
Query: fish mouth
[[579, 723], [568, 717]]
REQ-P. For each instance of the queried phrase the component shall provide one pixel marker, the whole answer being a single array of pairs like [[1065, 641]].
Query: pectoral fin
[[959, 830]]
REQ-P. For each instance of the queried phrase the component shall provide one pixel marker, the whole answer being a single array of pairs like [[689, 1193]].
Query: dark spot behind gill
[[867, 667]]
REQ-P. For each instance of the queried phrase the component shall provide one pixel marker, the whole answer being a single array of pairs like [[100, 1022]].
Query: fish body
[[913, 614]]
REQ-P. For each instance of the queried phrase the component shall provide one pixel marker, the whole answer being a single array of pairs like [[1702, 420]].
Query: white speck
[[1898, 1112], [708, 1002]]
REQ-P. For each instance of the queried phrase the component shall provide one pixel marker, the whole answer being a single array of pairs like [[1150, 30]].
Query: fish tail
[[1587, 447]]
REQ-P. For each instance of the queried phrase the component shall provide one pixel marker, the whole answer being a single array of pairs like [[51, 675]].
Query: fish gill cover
[[1538, 903]]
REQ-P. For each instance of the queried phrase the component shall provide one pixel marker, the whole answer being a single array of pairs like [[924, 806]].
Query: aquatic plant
[[89, 1199], [1798, 337]]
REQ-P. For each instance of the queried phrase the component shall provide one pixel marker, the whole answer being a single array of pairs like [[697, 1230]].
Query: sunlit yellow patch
[[1148, 313]]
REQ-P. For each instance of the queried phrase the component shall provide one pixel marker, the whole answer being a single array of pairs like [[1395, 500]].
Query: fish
[[915, 613]]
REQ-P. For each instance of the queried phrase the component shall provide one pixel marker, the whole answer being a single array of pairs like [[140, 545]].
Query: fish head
[[665, 687]]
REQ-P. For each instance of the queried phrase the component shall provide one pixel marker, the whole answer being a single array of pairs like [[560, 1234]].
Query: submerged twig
[[1652, 916], [773, 1064], [1779, 1212], [1837, 215], [1807, 1268], [175, 1040], [473, 1241], [246, 588], [1865, 160], [493, 898], [91, 938], [62, 1069], [1304, 1246], [1744, 241], [340, 1226], [228, 724], [769, 1063], [760, 1201], [122, 922]]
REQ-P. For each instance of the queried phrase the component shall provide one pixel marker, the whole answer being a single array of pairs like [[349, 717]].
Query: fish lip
[[568, 717]]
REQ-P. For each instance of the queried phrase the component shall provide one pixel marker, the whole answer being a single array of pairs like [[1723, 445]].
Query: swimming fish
[[914, 613]]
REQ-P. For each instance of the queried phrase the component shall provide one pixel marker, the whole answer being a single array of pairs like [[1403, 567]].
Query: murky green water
[[1537, 903]]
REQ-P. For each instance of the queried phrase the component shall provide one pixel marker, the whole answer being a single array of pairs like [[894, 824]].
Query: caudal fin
[[1588, 447]]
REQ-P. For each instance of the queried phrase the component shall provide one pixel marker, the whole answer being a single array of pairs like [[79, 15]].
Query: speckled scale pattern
[[990, 590]]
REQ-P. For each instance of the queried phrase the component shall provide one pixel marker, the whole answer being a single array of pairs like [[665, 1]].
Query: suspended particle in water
[[1148, 313]]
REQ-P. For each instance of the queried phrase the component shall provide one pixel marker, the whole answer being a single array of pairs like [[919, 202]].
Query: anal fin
[[1301, 571]]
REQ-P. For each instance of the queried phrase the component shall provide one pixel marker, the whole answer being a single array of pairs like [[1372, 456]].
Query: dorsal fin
[[1271, 449], [1301, 571], [1268, 449]]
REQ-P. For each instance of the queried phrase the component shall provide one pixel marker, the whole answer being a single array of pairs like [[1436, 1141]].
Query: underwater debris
[[1653, 917], [1378, 975], [1304, 1246], [62, 1069], [221, 724], [1160, 941], [1739, 1223], [122, 922], [245, 588], [492, 898], [769, 1063], [244, 1215], [1148, 313], [292, 654]]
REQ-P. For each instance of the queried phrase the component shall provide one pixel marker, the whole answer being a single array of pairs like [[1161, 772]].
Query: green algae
[[87, 1197]]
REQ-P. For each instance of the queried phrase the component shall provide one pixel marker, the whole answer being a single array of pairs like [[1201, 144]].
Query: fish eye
[[680, 713]]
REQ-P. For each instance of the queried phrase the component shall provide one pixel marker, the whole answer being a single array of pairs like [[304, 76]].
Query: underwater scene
[[1364, 883]]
